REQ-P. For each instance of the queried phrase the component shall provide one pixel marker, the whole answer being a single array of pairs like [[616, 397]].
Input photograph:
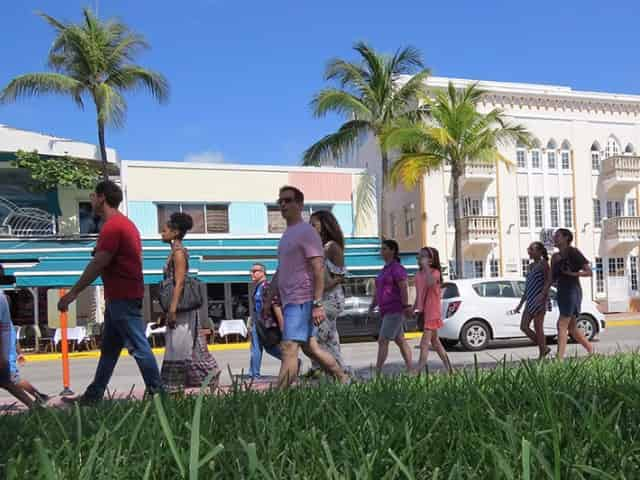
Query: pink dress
[[428, 300]]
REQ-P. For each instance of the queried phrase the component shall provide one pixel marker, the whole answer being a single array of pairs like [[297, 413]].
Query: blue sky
[[242, 73]]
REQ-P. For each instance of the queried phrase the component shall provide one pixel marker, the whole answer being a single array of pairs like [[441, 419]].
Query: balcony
[[478, 174], [621, 231], [479, 230], [620, 173]]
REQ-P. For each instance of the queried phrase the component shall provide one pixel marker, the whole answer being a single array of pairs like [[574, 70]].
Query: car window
[[450, 290], [502, 289], [519, 287]]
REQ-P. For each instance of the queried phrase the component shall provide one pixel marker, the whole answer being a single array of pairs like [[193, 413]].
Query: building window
[[494, 268], [538, 212], [564, 158], [409, 220], [631, 207], [612, 149], [450, 210], [521, 158], [207, 218], [524, 266], [478, 269], [595, 161], [633, 272], [492, 210], [551, 160], [535, 159], [614, 208], [616, 267], [568, 212], [471, 207], [88, 222], [599, 276], [309, 209], [276, 223], [554, 207], [217, 219], [523, 203], [597, 213], [393, 225]]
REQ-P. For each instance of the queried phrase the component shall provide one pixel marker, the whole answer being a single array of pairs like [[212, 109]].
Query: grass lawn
[[579, 419]]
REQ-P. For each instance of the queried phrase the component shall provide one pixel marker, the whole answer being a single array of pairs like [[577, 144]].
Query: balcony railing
[[484, 171], [622, 229], [479, 229], [621, 171]]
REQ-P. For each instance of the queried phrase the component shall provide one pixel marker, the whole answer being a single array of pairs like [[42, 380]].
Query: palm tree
[[455, 135], [94, 59], [370, 96]]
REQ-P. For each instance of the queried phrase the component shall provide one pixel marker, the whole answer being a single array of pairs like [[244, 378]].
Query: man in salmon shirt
[[118, 260], [300, 278]]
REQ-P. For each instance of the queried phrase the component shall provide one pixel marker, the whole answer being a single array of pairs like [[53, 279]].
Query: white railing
[[479, 228], [622, 228], [622, 168], [477, 169]]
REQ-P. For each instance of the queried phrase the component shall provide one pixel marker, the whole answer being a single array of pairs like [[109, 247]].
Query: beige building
[[581, 173]]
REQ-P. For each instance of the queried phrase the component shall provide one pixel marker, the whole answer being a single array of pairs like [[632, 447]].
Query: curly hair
[[181, 222]]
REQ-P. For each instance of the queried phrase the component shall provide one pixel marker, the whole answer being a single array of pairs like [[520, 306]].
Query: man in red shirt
[[118, 260]]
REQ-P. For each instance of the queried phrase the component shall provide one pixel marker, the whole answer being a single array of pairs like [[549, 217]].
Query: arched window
[[613, 147], [629, 149], [552, 160], [565, 160], [595, 156], [535, 154]]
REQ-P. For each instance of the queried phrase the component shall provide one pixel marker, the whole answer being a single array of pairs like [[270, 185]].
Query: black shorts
[[570, 302]]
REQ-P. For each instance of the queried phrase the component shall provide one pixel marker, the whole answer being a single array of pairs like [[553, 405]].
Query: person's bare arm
[[92, 271], [317, 267]]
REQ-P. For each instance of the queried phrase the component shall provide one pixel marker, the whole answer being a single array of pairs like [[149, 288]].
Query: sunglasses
[[256, 271], [286, 200]]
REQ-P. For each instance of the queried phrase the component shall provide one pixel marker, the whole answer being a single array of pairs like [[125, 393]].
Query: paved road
[[46, 375]]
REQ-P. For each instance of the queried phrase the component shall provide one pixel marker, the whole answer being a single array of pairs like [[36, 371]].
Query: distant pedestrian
[[429, 304], [266, 309], [300, 279], [330, 232], [392, 298], [118, 260], [536, 297], [187, 361], [567, 266]]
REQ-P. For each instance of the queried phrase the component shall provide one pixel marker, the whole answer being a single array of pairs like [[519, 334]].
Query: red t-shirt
[[122, 278]]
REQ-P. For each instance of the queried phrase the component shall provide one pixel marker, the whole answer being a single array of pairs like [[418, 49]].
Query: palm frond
[[131, 77], [35, 84], [340, 102], [335, 144], [406, 61], [365, 202], [411, 167], [112, 108]]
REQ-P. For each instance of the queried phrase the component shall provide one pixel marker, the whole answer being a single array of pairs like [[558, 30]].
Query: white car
[[475, 312]]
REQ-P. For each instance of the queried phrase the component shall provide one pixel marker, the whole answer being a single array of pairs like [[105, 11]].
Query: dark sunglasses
[[282, 201], [256, 270]]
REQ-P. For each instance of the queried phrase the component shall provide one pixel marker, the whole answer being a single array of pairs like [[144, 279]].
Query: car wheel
[[475, 335], [588, 326], [448, 343]]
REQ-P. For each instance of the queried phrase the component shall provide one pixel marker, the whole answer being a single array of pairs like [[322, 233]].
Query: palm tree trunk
[[103, 150], [383, 182], [455, 179]]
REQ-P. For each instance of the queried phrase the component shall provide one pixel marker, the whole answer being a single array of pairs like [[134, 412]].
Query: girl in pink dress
[[428, 281]]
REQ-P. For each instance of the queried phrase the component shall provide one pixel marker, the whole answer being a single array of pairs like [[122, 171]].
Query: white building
[[581, 173]]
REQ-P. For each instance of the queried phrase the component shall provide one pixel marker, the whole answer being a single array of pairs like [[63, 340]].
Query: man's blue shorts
[[298, 323]]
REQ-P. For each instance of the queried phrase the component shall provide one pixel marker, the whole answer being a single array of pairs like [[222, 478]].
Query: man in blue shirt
[[259, 279]]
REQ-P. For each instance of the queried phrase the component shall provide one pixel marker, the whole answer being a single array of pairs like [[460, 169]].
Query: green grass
[[580, 419]]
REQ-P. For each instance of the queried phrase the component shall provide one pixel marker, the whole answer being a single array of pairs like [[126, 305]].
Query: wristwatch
[[317, 304]]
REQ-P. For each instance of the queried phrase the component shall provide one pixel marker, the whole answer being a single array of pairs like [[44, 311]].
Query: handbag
[[191, 298], [269, 336]]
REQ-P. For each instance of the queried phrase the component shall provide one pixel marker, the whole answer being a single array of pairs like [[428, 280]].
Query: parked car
[[475, 312], [355, 321]]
